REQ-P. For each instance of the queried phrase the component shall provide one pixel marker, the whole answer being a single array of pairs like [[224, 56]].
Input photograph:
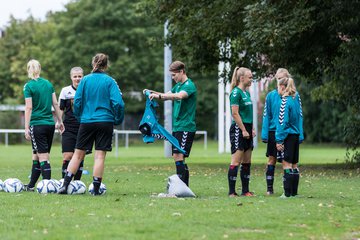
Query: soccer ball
[[57, 182], [13, 185], [46, 186], [102, 189], [81, 187], [1, 185], [60, 182], [72, 188]]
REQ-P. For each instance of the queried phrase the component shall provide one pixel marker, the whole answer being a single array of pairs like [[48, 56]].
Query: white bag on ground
[[178, 188]]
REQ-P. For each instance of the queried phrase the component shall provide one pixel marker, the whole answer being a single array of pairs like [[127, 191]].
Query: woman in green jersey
[[241, 130], [39, 123], [183, 94]]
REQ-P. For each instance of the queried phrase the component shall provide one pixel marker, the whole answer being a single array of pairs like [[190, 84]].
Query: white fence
[[116, 136]]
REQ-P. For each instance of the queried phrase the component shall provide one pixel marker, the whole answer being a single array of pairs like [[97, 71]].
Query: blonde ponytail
[[33, 69], [238, 72], [288, 82]]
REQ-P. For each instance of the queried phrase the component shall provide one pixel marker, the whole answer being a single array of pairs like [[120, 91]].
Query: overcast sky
[[21, 9]]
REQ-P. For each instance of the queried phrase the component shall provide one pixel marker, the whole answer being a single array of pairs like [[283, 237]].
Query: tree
[[314, 39]]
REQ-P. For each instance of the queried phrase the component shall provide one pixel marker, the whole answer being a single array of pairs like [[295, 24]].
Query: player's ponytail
[[100, 62], [235, 79], [288, 82], [33, 69], [238, 72]]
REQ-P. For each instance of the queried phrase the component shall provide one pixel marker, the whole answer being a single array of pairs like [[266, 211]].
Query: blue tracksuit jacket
[[98, 99], [151, 129]]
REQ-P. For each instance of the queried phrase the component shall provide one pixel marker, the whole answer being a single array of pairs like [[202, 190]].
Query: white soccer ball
[[57, 182], [46, 186], [72, 188], [13, 185], [81, 187], [1, 185], [102, 189]]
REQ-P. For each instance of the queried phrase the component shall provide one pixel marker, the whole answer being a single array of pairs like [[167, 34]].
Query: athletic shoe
[[269, 193], [248, 194], [233, 195], [28, 189], [283, 196], [62, 190]]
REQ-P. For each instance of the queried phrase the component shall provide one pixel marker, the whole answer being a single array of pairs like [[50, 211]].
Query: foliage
[[316, 40]]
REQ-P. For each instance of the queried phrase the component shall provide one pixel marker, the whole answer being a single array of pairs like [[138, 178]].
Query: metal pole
[[167, 88], [116, 144]]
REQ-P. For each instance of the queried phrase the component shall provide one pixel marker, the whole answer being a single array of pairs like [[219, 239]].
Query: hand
[[253, 133], [153, 95], [245, 134], [280, 147], [27, 134], [60, 127]]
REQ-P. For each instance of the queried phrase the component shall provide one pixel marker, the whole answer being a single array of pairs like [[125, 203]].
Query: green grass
[[328, 209]]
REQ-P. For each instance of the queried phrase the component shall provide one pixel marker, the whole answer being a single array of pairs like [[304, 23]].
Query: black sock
[[45, 169], [270, 177], [287, 181], [64, 167], [187, 175], [35, 173], [67, 179], [79, 171], [295, 181], [180, 170], [245, 176], [96, 183], [232, 175]]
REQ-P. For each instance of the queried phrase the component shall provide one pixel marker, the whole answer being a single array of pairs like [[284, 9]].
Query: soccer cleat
[[248, 194], [233, 195], [269, 193], [28, 189], [62, 190], [283, 196]]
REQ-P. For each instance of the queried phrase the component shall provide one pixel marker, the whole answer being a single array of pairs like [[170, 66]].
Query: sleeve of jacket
[[117, 103], [265, 123], [282, 124], [78, 100], [301, 137]]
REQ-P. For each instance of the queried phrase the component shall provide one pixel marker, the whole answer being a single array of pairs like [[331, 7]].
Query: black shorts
[[41, 138], [238, 142], [185, 140], [291, 150], [100, 132], [271, 145], [68, 139]]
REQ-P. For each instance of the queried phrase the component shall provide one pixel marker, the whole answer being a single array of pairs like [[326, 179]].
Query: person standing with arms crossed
[[98, 104], [241, 131], [184, 95], [68, 139], [39, 123]]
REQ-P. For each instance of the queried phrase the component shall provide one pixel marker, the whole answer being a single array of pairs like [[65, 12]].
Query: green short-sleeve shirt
[[242, 99], [185, 109], [40, 91]]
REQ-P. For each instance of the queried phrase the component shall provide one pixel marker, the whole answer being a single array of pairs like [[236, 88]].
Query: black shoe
[[62, 190], [28, 189]]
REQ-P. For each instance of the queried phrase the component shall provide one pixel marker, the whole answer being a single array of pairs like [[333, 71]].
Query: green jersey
[[242, 99], [40, 91], [185, 109]]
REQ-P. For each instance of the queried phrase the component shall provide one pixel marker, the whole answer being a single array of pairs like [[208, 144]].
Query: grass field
[[328, 208]]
